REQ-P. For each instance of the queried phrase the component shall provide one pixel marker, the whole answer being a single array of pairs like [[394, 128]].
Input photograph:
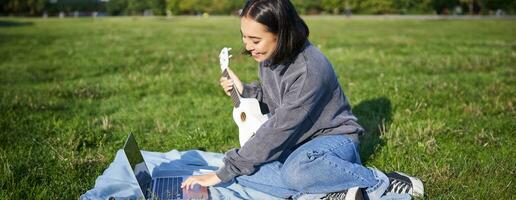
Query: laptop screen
[[138, 165]]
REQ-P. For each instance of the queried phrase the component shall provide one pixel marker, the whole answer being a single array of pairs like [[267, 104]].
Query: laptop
[[162, 188]]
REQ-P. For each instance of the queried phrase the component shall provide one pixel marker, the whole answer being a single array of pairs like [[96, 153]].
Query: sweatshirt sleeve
[[290, 120]]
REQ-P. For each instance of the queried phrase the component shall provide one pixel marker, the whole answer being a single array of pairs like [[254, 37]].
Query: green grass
[[436, 97]]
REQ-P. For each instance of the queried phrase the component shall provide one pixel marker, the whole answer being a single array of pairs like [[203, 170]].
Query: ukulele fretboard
[[235, 97]]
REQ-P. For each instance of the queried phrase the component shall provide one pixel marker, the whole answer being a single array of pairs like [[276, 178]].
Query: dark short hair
[[280, 18]]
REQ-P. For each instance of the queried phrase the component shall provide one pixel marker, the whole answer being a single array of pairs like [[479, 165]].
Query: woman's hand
[[204, 180], [227, 84]]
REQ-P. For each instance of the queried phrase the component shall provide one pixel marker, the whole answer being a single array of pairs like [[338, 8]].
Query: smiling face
[[259, 42]]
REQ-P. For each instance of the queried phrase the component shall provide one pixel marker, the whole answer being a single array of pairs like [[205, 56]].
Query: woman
[[310, 143]]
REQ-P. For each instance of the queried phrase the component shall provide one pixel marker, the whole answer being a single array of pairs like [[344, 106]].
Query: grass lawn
[[436, 97]]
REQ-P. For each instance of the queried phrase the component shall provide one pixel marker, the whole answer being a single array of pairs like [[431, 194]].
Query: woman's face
[[257, 40]]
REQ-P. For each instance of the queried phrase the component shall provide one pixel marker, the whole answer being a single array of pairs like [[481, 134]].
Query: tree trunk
[[471, 7]]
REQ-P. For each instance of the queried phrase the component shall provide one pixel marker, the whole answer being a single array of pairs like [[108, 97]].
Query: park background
[[225, 7], [435, 92]]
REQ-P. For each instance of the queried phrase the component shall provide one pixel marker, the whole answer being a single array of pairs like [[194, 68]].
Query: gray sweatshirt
[[305, 101]]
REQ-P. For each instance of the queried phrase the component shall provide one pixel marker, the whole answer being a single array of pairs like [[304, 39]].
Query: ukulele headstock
[[224, 58]]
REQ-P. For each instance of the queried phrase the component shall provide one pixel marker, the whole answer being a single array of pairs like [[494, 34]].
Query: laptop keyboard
[[169, 188]]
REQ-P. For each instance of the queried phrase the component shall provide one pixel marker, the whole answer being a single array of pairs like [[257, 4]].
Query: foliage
[[509, 6], [413, 6], [116, 7], [29, 7], [307, 6], [172, 6], [200, 6], [179, 7], [377, 6], [157, 6], [332, 6], [136, 7]]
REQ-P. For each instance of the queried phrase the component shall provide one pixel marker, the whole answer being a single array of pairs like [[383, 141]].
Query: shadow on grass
[[375, 116], [6, 24]]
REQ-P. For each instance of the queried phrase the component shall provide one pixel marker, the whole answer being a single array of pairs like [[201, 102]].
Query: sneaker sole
[[354, 193], [418, 189]]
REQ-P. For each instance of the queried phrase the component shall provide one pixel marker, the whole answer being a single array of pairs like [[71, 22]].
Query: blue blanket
[[118, 180]]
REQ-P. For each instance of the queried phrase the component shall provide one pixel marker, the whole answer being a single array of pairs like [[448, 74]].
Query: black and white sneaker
[[402, 183], [354, 193]]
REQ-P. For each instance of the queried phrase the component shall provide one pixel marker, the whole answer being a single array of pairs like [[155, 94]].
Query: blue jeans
[[323, 165]]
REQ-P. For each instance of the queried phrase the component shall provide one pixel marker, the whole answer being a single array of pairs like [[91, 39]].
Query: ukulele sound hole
[[242, 116]]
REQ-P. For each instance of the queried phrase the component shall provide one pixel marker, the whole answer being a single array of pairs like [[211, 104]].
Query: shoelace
[[398, 186], [335, 196]]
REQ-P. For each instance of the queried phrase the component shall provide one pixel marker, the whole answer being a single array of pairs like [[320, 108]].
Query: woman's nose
[[249, 47]]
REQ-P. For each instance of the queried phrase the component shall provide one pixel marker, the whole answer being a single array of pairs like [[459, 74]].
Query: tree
[[377, 6], [413, 6], [333, 6], [157, 6], [190, 6], [470, 4], [443, 6], [506, 5], [224, 6], [173, 6], [219, 6], [116, 7], [29, 7], [136, 7], [307, 6]]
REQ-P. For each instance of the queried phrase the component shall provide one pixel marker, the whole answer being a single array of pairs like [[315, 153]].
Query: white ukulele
[[246, 112]]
